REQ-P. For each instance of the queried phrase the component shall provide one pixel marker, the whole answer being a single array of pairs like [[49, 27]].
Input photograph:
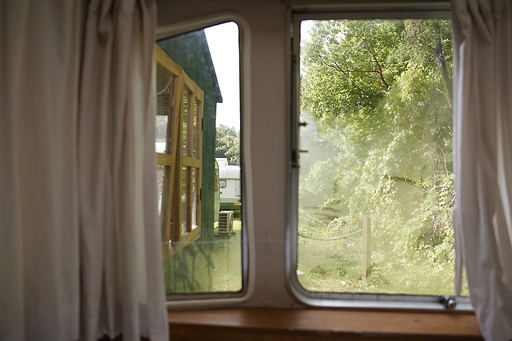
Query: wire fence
[[329, 239], [366, 249]]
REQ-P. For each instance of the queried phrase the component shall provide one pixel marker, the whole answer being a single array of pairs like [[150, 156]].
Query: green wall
[[191, 269]]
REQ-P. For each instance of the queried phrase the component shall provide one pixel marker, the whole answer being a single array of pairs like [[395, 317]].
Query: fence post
[[367, 249]]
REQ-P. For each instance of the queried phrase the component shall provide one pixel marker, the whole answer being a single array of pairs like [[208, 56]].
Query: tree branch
[[443, 70], [379, 73]]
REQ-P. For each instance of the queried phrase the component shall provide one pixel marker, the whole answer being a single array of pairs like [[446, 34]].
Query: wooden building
[[185, 67]]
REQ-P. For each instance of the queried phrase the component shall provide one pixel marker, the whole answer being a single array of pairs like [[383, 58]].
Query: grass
[[212, 266], [227, 259], [335, 266]]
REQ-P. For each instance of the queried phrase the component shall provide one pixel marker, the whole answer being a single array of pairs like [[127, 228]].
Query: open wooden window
[[179, 153]]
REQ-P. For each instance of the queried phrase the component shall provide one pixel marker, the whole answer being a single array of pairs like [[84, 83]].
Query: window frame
[[188, 162], [168, 157], [175, 239], [206, 300], [344, 300]]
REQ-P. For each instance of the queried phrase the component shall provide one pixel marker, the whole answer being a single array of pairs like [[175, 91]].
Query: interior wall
[[268, 131]]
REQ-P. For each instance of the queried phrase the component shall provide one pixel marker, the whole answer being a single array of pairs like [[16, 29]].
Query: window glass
[[376, 186], [165, 102], [198, 123], [185, 123]]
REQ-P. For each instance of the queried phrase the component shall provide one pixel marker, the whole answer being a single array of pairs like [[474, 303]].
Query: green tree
[[379, 93], [227, 144]]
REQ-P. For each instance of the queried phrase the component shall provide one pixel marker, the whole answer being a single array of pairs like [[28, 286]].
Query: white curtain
[[482, 48], [79, 247]]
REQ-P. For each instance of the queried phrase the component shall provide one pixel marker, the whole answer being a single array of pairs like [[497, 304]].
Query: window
[[197, 139], [268, 174], [375, 187], [179, 153]]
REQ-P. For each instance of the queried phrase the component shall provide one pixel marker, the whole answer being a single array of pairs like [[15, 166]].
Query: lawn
[[227, 259], [335, 266]]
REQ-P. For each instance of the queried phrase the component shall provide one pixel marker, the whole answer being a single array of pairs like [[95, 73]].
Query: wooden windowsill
[[319, 324]]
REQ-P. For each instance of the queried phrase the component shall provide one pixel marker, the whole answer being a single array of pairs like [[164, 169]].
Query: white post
[[367, 249]]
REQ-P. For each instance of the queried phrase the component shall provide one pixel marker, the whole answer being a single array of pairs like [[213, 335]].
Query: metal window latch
[[295, 157], [448, 301]]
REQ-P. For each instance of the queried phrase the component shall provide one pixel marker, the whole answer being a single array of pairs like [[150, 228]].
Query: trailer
[[230, 186]]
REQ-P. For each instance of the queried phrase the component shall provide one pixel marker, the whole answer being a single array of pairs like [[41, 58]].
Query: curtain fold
[[39, 263], [482, 48], [79, 237]]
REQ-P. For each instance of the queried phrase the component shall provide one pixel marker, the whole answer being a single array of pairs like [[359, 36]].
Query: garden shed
[[191, 153]]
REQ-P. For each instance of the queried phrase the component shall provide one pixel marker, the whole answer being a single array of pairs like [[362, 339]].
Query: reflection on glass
[[161, 132], [185, 123], [163, 199], [194, 129], [195, 198], [376, 191], [165, 86], [185, 200], [205, 255], [160, 184]]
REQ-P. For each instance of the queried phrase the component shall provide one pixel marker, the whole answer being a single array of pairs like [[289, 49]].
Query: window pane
[[205, 255], [195, 130], [163, 173], [195, 197], [185, 124], [165, 109], [376, 190], [161, 130], [185, 200]]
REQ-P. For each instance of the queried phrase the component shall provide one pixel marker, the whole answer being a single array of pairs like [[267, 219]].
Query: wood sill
[[319, 324]]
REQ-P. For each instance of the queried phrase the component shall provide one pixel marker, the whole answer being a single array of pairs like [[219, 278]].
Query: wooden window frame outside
[[174, 236]]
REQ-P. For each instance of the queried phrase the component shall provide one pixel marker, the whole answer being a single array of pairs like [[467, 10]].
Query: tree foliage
[[377, 94], [227, 144]]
